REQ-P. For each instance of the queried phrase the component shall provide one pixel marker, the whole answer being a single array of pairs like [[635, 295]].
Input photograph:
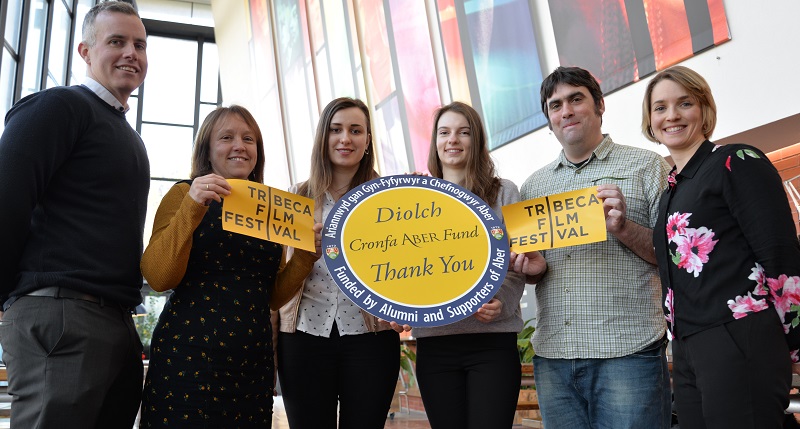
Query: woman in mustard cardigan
[[211, 361]]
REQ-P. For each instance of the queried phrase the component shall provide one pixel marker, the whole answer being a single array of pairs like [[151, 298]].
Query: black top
[[726, 242], [74, 179], [211, 362]]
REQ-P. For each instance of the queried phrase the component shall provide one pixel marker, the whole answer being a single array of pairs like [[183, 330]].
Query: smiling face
[[118, 58], [347, 139], [676, 117], [575, 119], [233, 150], [453, 140]]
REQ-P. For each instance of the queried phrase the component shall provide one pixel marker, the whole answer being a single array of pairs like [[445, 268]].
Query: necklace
[[337, 193]]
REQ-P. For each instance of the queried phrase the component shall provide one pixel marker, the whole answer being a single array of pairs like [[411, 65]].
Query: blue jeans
[[627, 392]]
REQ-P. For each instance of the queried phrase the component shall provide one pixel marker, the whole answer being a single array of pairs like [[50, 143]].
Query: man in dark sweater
[[74, 177]]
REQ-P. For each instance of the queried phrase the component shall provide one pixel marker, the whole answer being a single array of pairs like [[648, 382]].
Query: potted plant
[[525, 348], [407, 361], [528, 402]]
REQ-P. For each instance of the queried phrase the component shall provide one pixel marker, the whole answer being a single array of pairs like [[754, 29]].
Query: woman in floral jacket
[[729, 260]]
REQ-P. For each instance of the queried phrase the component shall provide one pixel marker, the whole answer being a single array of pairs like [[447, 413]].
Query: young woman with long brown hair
[[333, 354]]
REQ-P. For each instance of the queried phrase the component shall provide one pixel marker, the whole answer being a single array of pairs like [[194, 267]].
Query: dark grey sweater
[[74, 179]]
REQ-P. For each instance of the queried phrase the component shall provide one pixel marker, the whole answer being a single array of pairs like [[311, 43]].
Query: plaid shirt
[[600, 300]]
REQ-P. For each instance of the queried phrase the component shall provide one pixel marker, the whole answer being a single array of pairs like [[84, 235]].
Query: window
[[40, 39], [181, 88]]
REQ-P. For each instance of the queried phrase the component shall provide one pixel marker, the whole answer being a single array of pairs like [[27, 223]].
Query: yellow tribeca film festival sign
[[270, 214], [553, 221], [415, 249]]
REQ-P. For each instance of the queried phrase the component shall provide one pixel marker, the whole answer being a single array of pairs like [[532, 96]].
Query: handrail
[[794, 194]]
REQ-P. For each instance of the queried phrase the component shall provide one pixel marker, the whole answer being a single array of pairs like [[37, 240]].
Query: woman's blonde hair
[[696, 86]]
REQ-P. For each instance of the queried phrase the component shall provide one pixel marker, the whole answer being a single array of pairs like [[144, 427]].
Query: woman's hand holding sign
[[317, 239], [489, 311], [396, 326], [209, 188]]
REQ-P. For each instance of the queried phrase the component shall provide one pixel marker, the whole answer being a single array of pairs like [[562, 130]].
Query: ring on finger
[[206, 186]]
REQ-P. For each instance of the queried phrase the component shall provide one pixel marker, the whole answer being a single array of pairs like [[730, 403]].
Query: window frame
[[18, 55]]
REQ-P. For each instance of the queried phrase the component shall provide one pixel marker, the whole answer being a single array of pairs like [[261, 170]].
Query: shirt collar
[[600, 152], [697, 159], [105, 94]]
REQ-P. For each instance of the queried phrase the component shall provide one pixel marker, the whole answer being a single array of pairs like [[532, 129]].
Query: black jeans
[[469, 381], [357, 372]]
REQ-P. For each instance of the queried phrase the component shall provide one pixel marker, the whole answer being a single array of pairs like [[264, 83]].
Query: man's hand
[[636, 237], [532, 264], [614, 207]]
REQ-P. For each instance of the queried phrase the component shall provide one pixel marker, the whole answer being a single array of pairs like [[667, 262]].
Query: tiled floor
[[404, 420], [413, 420], [400, 420]]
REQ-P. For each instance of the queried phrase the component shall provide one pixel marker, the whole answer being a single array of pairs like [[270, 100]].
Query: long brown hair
[[201, 154], [481, 177], [321, 175]]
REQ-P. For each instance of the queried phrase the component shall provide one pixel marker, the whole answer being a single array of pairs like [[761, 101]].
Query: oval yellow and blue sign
[[416, 250]]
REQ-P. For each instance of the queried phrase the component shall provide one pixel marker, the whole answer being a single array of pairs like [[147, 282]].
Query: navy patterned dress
[[211, 363]]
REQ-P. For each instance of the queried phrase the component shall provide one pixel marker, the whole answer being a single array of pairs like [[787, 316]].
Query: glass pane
[[339, 46], [78, 69], [417, 74], [209, 82], [205, 109], [391, 138], [50, 83], [132, 114], [323, 78], [297, 91], [13, 23], [34, 53], [7, 74], [503, 45], [169, 91], [169, 149], [59, 44], [376, 46], [454, 54]]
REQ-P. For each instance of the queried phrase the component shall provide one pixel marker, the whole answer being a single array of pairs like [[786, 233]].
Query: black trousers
[[356, 372], [469, 381], [735, 375], [71, 364]]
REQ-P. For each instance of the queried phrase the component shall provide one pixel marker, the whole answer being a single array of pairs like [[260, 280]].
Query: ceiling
[[769, 137]]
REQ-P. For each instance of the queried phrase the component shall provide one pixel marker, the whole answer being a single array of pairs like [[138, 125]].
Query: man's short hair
[[88, 32], [574, 76]]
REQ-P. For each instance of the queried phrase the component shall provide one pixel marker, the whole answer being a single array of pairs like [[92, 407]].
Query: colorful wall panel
[[621, 41], [501, 62]]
